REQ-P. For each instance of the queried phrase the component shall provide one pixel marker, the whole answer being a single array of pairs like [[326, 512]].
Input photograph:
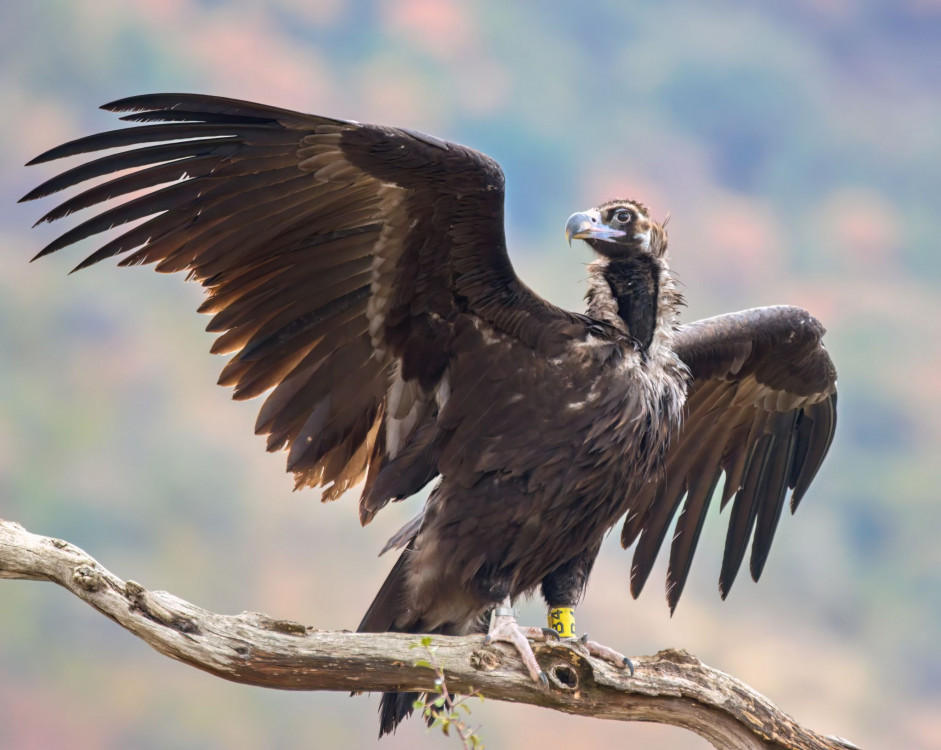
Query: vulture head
[[616, 229]]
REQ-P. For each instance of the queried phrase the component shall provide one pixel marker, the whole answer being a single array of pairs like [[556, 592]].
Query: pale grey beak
[[586, 225]]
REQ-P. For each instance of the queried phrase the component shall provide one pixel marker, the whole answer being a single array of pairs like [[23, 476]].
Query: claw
[[629, 664], [549, 634]]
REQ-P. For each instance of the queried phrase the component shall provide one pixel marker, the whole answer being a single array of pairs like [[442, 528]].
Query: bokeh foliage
[[797, 147]]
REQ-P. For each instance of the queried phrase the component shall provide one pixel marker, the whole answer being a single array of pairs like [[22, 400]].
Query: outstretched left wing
[[762, 410]]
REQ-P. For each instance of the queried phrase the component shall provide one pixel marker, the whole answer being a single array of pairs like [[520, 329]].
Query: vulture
[[358, 275]]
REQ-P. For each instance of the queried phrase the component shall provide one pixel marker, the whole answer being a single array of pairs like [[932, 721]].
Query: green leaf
[[439, 701], [426, 641], [423, 663], [418, 704]]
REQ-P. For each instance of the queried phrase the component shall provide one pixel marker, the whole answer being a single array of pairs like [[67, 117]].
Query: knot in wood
[[563, 676], [485, 660], [86, 578], [143, 601]]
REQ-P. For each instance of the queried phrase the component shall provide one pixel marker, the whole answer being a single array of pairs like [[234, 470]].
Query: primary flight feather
[[359, 275]]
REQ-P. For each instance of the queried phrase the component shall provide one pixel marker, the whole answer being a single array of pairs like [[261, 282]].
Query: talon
[[487, 640], [550, 634], [584, 638], [629, 664], [544, 680]]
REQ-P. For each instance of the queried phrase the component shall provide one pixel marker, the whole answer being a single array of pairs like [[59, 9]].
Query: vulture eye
[[622, 216]]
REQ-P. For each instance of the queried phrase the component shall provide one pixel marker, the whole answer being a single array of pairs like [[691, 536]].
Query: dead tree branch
[[671, 687]]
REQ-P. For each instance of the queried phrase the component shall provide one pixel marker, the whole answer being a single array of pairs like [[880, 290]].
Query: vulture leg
[[562, 589], [503, 627], [562, 627]]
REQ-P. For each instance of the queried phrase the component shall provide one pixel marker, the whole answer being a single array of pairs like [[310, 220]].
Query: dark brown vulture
[[359, 275]]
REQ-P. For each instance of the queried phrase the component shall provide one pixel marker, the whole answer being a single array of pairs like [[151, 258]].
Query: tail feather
[[393, 709], [387, 607], [381, 617], [388, 613]]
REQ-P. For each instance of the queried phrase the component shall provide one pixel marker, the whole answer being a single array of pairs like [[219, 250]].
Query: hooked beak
[[586, 225]]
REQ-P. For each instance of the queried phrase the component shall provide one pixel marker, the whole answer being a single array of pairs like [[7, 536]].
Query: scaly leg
[[504, 628]]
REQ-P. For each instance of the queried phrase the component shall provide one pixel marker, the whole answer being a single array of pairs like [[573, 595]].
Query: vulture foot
[[505, 629], [562, 627], [611, 656]]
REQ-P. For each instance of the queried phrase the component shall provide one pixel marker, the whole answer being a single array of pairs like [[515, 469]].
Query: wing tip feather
[[136, 103]]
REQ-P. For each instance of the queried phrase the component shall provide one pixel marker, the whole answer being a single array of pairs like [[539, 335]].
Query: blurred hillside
[[797, 147]]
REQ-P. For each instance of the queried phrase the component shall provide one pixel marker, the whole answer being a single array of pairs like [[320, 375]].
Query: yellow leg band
[[562, 621]]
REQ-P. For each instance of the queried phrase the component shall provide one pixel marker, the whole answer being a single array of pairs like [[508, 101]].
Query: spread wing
[[335, 256], [762, 410]]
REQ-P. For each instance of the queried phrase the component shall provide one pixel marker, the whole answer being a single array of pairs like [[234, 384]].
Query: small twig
[[443, 710], [671, 687]]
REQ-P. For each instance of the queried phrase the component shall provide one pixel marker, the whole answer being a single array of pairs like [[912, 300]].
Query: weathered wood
[[671, 687]]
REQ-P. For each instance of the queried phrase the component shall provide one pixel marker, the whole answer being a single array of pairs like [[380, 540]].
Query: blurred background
[[797, 147]]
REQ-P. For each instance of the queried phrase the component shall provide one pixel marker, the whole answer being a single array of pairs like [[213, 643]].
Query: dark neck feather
[[624, 292]]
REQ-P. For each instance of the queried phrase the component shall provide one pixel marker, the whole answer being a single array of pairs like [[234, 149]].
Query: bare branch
[[671, 687]]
